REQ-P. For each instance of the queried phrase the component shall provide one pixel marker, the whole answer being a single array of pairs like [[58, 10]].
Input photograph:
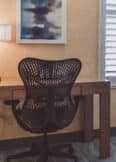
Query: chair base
[[55, 151], [45, 150]]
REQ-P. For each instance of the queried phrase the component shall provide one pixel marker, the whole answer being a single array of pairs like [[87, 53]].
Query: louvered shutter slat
[[110, 39]]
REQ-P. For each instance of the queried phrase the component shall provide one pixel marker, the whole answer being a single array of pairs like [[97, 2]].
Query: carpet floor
[[86, 152]]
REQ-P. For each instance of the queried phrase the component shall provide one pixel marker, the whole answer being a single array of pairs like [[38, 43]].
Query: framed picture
[[41, 21]]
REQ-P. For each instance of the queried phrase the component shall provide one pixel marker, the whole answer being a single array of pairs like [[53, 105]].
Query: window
[[107, 41]]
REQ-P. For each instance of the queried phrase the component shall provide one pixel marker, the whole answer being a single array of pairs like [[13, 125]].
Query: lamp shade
[[5, 32]]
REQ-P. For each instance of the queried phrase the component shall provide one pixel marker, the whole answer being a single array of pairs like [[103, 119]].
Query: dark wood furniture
[[86, 89]]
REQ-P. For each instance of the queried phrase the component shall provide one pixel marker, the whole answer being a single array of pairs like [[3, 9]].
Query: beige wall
[[82, 35]]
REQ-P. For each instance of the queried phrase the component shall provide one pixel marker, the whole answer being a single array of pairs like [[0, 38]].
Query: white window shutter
[[108, 40]]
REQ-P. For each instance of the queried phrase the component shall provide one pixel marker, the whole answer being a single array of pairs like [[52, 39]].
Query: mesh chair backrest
[[48, 92], [35, 71]]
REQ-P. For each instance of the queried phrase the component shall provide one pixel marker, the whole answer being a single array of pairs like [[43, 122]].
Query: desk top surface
[[18, 82]]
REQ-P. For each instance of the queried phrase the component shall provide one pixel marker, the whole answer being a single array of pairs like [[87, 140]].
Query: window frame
[[102, 14]]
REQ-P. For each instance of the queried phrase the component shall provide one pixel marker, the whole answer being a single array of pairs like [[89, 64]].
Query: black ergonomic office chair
[[48, 104]]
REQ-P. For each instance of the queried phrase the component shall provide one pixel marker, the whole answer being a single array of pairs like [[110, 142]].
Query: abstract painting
[[41, 21]]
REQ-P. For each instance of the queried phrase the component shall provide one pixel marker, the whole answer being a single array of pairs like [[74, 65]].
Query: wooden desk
[[85, 89]]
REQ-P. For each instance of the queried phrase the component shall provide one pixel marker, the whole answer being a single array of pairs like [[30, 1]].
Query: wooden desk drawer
[[18, 94], [86, 90], [76, 91], [5, 94]]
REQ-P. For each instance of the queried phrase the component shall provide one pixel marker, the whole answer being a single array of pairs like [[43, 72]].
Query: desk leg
[[88, 117], [104, 125]]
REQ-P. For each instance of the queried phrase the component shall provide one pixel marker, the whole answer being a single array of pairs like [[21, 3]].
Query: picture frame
[[41, 21]]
